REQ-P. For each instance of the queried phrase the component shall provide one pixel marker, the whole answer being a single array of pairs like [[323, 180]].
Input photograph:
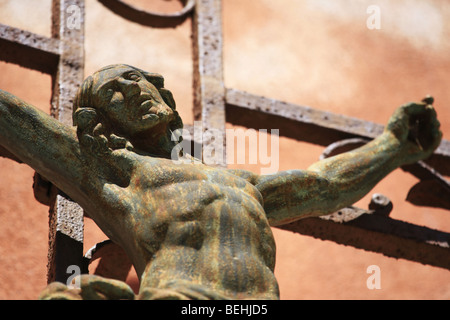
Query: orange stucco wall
[[309, 52]]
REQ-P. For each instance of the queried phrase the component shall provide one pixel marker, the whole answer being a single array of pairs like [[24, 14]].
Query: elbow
[[326, 197]]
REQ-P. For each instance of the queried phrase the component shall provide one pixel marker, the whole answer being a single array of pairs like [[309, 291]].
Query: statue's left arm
[[412, 134]]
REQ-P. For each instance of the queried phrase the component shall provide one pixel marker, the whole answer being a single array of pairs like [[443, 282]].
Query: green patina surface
[[192, 231]]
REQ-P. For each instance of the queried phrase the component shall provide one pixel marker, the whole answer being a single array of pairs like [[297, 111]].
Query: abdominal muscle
[[226, 252]]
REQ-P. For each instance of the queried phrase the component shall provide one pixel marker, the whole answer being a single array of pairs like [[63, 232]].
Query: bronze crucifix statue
[[192, 231]]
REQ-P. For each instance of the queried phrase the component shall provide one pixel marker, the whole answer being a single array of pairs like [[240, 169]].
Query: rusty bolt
[[380, 204]]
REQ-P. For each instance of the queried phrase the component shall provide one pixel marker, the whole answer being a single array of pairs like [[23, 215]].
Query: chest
[[166, 193], [187, 184]]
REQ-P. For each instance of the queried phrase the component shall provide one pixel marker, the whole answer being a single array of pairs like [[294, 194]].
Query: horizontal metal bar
[[309, 124], [26, 38], [303, 114], [28, 49]]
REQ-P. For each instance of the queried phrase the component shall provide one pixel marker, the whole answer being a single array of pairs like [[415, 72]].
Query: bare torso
[[196, 228]]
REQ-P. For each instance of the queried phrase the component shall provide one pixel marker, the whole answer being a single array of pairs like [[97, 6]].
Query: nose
[[128, 88]]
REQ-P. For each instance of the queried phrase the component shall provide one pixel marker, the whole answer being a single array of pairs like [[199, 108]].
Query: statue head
[[121, 106]]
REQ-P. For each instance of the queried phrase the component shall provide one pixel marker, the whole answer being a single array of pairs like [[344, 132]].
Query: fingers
[[436, 134], [96, 287], [90, 287], [59, 291], [417, 124], [428, 100], [433, 127], [422, 111], [416, 108], [423, 124]]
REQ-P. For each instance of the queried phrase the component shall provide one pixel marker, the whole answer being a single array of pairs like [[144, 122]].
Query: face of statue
[[129, 102], [132, 106]]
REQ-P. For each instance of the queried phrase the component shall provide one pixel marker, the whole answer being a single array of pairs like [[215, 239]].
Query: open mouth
[[148, 111], [145, 106], [150, 116]]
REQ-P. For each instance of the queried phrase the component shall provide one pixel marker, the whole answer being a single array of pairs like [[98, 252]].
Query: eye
[[134, 77]]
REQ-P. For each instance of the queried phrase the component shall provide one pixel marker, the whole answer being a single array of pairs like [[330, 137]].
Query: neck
[[156, 145]]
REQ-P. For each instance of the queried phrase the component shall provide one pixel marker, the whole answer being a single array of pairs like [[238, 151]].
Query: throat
[[157, 144]]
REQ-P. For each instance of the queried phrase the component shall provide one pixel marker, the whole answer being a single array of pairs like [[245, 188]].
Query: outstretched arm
[[40, 141], [412, 134]]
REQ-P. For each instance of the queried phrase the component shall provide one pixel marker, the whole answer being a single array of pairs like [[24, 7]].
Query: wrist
[[391, 147]]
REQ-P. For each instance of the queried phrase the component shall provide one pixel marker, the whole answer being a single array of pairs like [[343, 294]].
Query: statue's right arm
[[45, 144]]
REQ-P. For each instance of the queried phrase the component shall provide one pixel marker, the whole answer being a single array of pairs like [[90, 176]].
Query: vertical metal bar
[[66, 217], [209, 89], [68, 27]]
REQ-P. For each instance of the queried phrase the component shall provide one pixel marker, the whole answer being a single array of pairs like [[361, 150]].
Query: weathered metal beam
[[369, 231], [29, 39], [68, 27], [65, 239], [66, 217], [28, 49], [295, 121], [310, 125], [209, 89]]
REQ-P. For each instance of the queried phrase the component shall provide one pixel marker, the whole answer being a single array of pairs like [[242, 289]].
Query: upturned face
[[129, 103]]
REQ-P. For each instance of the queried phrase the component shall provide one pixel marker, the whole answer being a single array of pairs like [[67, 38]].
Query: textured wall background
[[311, 52]]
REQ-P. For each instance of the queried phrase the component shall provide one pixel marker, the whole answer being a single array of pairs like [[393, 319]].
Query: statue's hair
[[91, 130]]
